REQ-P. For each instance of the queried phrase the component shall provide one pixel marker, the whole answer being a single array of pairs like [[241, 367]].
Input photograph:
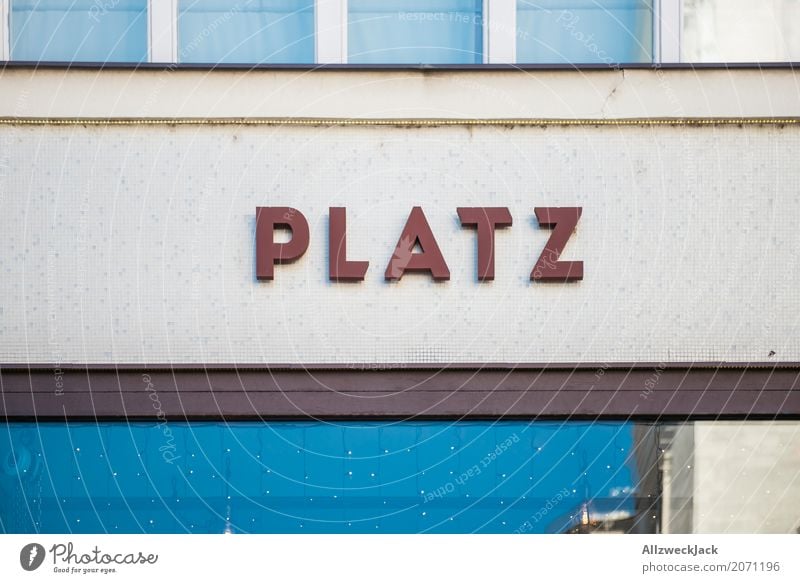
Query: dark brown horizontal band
[[360, 366], [249, 391], [426, 67]]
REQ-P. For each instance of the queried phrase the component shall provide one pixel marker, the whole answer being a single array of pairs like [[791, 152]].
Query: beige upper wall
[[633, 93]]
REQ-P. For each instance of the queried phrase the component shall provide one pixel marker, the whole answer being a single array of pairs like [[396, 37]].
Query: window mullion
[[669, 26], [5, 30], [331, 31], [163, 31], [500, 24]]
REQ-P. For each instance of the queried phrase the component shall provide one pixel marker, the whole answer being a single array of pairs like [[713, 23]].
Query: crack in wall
[[611, 93]]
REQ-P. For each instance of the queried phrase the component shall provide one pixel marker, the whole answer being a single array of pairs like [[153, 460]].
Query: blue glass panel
[[415, 31], [79, 30], [585, 31], [250, 32], [287, 477]]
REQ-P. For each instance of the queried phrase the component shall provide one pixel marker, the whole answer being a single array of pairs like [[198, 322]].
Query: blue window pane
[[415, 31], [288, 477], [79, 30], [250, 32], [585, 31]]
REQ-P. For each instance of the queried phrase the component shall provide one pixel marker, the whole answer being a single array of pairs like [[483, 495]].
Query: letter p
[[268, 252]]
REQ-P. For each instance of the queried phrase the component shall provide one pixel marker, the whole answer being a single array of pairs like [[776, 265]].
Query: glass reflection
[[414, 32], [319, 477], [732, 31], [585, 31], [251, 32], [403, 477], [79, 30]]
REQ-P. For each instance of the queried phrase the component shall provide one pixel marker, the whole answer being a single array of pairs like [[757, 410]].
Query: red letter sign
[[268, 253], [486, 219], [417, 230], [548, 267], [339, 268]]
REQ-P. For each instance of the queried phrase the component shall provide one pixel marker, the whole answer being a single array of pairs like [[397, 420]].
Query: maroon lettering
[[417, 232], [339, 268], [486, 220], [548, 268], [417, 249], [268, 252]]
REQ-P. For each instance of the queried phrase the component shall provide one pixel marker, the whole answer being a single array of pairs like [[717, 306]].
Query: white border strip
[[398, 558]]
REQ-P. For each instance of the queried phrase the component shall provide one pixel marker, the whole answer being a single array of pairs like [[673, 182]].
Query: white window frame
[[499, 31], [330, 30], [5, 30], [668, 30], [162, 31]]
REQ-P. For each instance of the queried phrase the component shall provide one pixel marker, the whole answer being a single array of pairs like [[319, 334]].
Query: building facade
[[398, 268]]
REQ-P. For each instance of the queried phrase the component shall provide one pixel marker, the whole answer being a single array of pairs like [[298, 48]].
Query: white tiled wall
[[135, 244]]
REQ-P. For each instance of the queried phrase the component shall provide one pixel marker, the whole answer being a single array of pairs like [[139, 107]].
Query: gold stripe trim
[[397, 122]]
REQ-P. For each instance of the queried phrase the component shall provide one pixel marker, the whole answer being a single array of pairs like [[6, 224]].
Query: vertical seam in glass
[[149, 32], [656, 32], [150, 27], [679, 36], [343, 29], [512, 30], [174, 30], [486, 15], [316, 31]]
